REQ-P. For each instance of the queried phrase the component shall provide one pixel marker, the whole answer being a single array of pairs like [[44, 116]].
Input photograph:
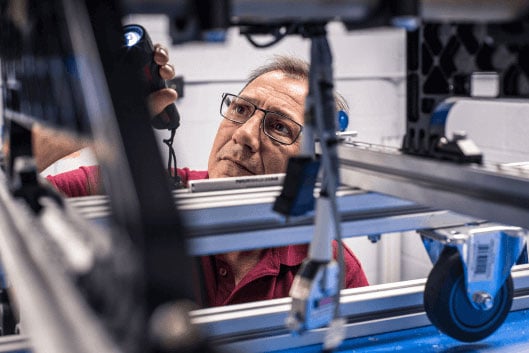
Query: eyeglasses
[[277, 126]]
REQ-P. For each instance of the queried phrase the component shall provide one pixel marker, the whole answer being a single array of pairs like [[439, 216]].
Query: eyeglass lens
[[275, 125]]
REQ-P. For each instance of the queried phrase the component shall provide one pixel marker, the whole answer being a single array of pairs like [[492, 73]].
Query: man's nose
[[249, 133]]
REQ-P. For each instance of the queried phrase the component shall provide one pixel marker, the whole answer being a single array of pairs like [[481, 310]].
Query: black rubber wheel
[[448, 307]]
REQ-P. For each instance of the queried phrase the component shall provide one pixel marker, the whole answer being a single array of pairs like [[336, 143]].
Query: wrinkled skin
[[240, 150]]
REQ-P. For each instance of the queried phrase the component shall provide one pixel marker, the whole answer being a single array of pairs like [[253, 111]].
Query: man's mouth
[[240, 166]]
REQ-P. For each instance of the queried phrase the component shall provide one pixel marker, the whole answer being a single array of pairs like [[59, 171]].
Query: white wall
[[500, 129]]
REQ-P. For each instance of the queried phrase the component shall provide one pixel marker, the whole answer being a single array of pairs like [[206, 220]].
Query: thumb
[[157, 101]]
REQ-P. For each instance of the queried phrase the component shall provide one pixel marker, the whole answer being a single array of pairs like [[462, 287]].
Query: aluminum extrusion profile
[[486, 191], [49, 303], [212, 227], [368, 310]]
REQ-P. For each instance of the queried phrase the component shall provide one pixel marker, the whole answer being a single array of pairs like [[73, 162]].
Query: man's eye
[[240, 109], [279, 126]]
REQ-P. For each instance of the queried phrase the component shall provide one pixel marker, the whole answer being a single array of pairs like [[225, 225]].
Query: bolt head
[[483, 300]]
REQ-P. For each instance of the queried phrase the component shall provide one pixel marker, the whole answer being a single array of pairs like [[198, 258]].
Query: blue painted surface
[[511, 337]]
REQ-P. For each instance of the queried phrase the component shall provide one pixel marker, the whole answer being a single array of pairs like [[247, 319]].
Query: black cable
[[171, 162], [278, 36], [321, 61]]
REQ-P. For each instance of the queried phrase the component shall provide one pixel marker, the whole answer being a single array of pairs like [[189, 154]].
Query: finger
[[167, 71], [161, 54], [157, 101]]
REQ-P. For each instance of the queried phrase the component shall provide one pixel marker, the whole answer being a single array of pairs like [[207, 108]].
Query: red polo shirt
[[83, 181], [270, 278], [86, 181]]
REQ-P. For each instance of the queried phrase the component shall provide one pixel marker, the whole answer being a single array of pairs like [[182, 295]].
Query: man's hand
[[157, 101], [50, 145]]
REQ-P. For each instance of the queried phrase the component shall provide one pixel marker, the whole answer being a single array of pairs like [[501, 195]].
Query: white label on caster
[[482, 258]]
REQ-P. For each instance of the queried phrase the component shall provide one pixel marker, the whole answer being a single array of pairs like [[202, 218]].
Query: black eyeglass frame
[[266, 112]]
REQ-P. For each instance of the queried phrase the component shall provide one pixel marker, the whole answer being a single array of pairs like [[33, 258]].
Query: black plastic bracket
[[441, 59]]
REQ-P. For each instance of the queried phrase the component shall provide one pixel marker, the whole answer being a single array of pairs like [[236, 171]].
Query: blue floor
[[512, 337]]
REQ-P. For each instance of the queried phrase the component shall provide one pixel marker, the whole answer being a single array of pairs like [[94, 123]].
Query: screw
[[483, 300]]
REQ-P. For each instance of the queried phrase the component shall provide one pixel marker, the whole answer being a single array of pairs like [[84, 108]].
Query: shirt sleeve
[[83, 181], [187, 174]]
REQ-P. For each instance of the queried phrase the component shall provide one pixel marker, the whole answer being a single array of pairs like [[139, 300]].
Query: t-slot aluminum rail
[[259, 326], [231, 220], [495, 192]]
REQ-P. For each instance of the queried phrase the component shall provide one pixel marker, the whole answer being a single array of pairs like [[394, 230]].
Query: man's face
[[244, 149]]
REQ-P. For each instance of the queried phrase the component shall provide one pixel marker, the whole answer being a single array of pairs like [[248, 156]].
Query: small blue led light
[[343, 120], [133, 36]]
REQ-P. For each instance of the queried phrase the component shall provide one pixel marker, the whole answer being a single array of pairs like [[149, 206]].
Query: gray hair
[[295, 68]]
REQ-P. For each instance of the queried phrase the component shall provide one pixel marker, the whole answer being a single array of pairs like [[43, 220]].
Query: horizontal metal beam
[[219, 222], [488, 191], [355, 11], [369, 311], [14, 343], [259, 326]]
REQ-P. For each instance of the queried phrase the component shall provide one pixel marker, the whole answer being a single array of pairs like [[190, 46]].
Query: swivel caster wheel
[[448, 307]]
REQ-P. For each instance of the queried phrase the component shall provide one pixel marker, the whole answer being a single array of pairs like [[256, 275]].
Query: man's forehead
[[280, 83]]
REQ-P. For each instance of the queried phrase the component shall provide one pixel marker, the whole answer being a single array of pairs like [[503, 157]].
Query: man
[[259, 131]]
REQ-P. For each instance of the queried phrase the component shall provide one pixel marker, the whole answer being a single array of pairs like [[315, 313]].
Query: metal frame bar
[[484, 191], [212, 227], [258, 327], [14, 344], [43, 291]]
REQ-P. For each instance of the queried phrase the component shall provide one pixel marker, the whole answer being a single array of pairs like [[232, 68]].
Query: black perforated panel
[[441, 60]]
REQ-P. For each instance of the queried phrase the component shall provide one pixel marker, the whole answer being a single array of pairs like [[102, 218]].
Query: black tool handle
[[141, 55]]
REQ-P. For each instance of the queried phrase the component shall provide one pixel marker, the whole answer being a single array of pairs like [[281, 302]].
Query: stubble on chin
[[232, 161], [230, 168]]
